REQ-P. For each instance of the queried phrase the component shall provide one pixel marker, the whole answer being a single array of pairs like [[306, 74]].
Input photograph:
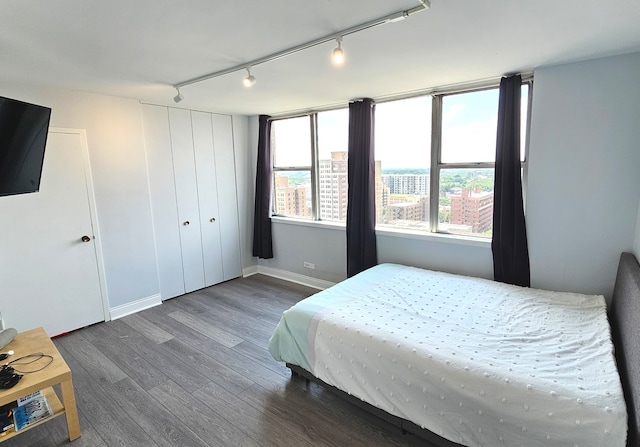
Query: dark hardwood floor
[[196, 371]]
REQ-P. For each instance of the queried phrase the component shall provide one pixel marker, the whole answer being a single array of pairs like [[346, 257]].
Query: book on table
[[30, 410]]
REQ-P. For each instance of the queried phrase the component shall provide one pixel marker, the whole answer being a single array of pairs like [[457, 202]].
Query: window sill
[[389, 232], [443, 238]]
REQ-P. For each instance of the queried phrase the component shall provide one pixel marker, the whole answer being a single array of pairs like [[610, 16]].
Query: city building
[[290, 200], [334, 187], [473, 208], [407, 183]]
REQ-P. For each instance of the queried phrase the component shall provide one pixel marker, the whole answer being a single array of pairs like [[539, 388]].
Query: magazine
[[34, 410]]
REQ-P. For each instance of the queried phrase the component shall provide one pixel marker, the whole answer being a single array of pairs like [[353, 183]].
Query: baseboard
[[249, 271], [135, 306], [308, 281]]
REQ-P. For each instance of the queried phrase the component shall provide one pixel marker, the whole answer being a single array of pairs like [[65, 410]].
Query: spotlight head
[[178, 97], [337, 57], [249, 80]]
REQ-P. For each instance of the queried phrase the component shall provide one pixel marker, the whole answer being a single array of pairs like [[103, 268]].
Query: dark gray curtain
[[361, 204], [262, 245], [509, 243]]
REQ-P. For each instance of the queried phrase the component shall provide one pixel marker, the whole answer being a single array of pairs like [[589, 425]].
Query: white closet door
[[227, 196], [187, 195], [207, 197], [164, 204]]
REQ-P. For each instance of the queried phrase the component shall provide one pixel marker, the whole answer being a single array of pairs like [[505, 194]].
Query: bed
[[467, 361]]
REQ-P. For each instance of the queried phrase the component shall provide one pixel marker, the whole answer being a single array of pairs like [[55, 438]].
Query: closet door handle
[[213, 219], [186, 223], [85, 238]]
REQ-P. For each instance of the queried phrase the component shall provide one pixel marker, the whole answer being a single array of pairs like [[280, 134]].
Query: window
[[455, 160], [304, 149], [435, 161], [292, 167]]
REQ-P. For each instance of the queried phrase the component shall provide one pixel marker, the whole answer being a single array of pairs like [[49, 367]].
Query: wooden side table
[[58, 372]]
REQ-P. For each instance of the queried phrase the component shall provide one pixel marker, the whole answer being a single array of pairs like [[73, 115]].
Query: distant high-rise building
[[290, 200], [407, 207], [407, 183], [334, 187], [473, 208]]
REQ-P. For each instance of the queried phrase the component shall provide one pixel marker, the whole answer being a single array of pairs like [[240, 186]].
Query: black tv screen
[[23, 136]]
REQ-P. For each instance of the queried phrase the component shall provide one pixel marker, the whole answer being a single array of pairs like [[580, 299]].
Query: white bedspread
[[477, 362]]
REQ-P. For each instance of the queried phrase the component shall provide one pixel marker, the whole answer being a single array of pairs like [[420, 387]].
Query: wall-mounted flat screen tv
[[23, 137]]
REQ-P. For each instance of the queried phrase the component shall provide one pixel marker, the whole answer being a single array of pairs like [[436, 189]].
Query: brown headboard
[[624, 315]]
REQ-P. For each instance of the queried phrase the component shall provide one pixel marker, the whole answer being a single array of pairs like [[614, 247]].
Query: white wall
[[584, 165], [117, 155], [116, 151], [582, 193], [636, 243]]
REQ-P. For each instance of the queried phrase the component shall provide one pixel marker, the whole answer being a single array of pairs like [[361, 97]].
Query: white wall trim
[[308, 281], [135, 306]]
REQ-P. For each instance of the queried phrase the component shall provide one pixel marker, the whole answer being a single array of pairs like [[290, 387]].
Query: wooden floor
[[196, 372]]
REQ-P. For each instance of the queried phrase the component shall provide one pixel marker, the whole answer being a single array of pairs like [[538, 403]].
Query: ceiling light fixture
[[338, 53], [179, 96], [249, 80]]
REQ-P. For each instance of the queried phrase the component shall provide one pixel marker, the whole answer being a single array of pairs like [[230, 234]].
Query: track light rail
[[389, 18]]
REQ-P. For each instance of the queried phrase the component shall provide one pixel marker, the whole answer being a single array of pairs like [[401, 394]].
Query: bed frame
[[624, 316]]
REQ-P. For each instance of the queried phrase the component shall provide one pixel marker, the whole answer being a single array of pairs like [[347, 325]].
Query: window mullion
[[315, 175], [434, 171]]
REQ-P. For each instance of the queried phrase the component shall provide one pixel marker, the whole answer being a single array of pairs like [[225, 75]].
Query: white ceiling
[[140, 48]]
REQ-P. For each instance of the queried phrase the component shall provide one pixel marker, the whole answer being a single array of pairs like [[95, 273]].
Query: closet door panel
[[207, 197], [164, 205], [187, 197], [227, 196]]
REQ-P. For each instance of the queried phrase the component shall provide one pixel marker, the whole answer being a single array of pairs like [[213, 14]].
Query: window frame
[[435, 166], [313, 169]]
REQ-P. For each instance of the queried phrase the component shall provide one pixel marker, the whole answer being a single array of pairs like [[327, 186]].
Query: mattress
[[477, 362]]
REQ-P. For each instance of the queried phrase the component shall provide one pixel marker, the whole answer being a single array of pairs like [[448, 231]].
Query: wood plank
[[93, 361], [158, 422], [206, 328], [208, 423], [147, 329]]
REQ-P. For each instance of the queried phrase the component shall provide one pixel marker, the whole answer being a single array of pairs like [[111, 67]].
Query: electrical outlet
[[309, 265]]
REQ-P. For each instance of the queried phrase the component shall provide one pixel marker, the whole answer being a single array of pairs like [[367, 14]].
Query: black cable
[[10, 376], [36, 356]]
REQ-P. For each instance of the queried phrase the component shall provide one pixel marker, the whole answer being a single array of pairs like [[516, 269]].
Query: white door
[[164, 204], [184, 168], [207, 197], [49, 276], [227, 195]]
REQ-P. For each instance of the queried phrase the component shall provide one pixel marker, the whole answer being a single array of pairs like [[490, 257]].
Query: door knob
[[186, 223], [85, 238], [213, 219]]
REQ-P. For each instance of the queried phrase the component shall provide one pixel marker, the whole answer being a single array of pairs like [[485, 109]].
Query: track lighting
[[178, 97], [249, 80], [338, 53], [337, 56]]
